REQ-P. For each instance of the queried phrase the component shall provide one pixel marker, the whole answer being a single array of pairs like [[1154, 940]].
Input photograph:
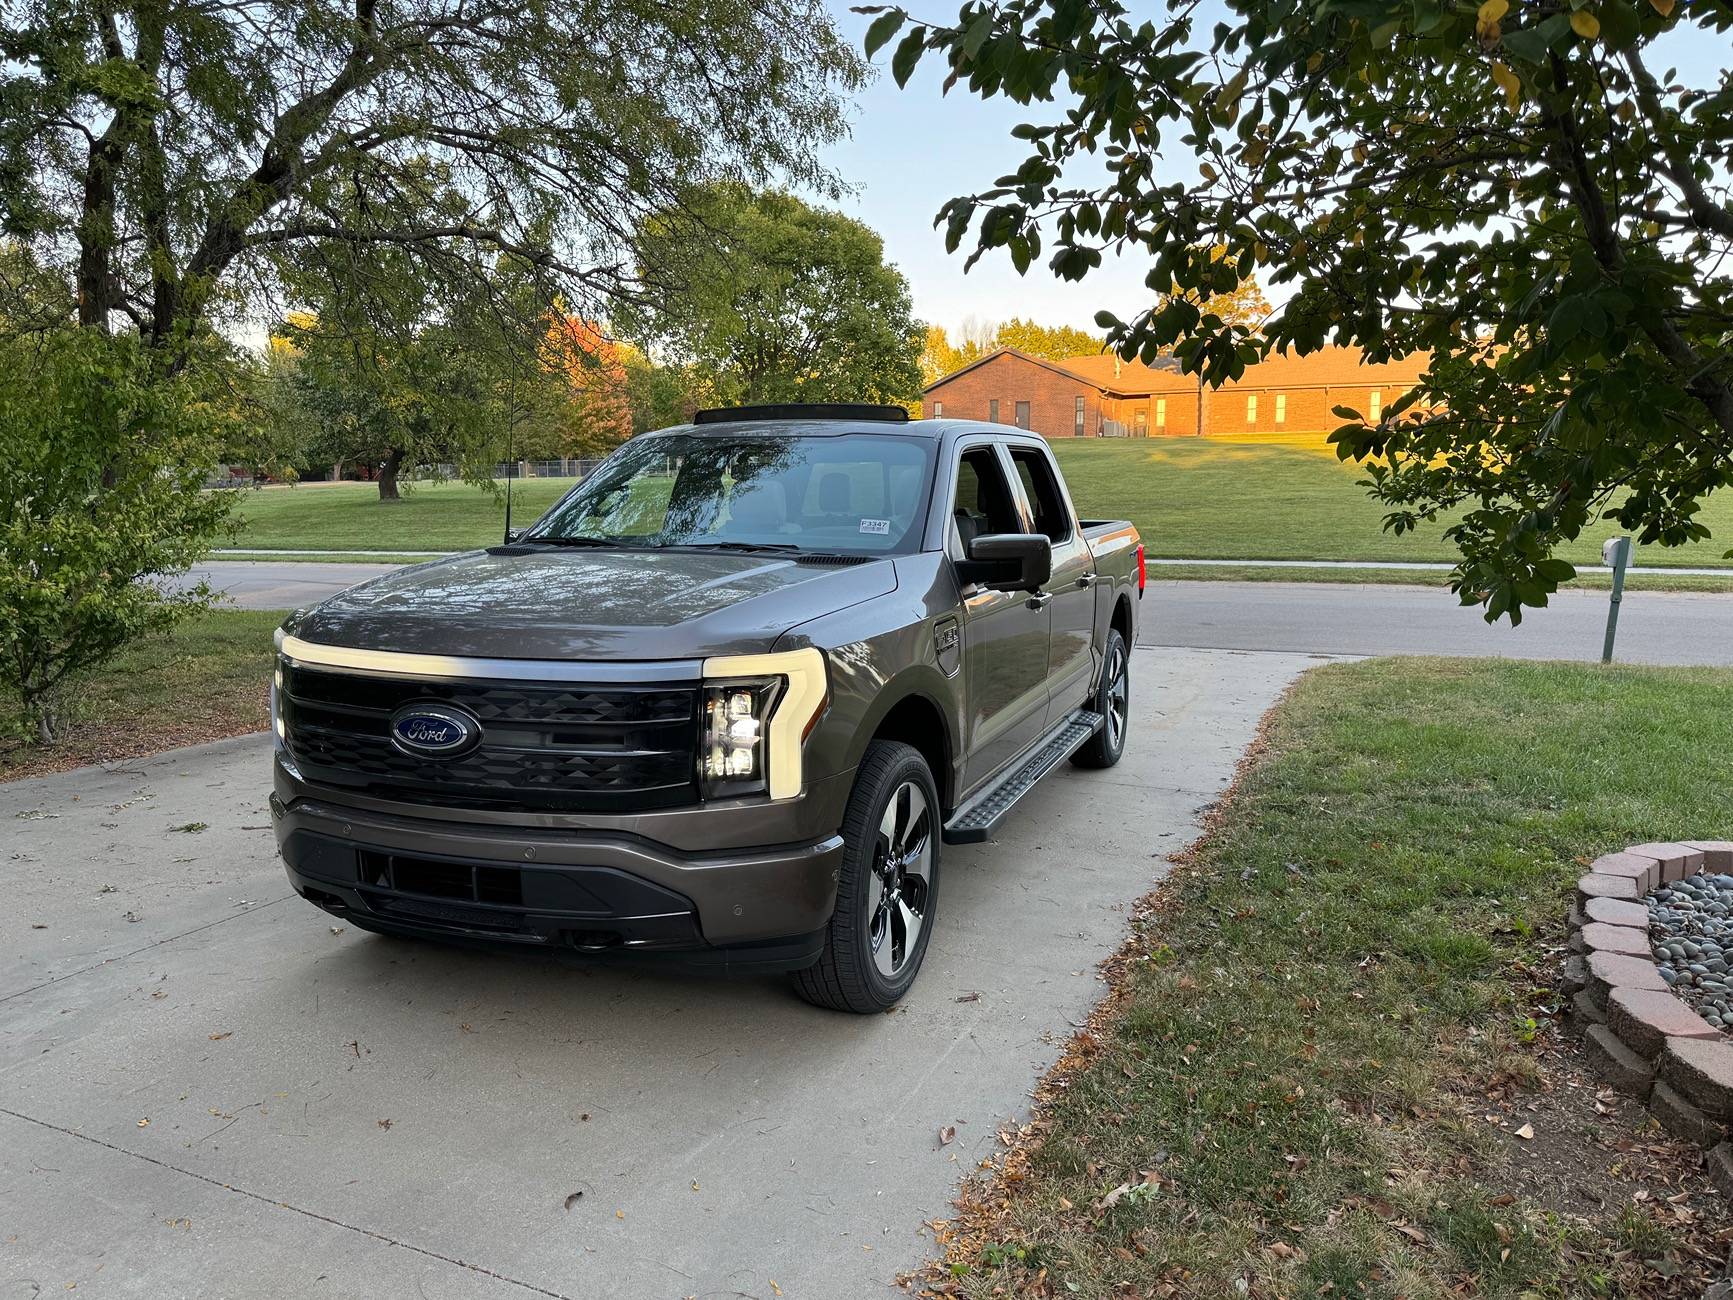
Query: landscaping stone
[[1676, 860], [1598, 936], [1612, 970], [1645, 871], [1616, 1063], [1717, 854], [1702, 1071], [1595, 885], [1645, 1019], [1584, 1005], [1721, 1168], [1683, 1120], [1574, 977], [1616, 911]]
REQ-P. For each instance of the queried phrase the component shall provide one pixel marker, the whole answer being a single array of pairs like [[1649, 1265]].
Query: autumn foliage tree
[[1521, 189]]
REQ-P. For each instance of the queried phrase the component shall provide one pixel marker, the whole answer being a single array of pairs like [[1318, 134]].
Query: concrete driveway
[[209, 1089]]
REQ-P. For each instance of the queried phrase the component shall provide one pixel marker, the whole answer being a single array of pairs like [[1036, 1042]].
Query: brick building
[[1102, 396]]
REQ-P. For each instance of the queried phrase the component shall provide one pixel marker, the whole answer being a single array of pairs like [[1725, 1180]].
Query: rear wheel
[[888, 889], [1113, 702]]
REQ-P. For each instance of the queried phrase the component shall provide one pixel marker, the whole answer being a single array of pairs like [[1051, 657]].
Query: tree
[[787, 303], [169, 158], [1053, 342], [1511, 189], [1244, 306], [101, 469]]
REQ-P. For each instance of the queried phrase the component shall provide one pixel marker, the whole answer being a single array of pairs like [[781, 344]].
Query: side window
[[983, 502], [1077, 418], [1045, 499]]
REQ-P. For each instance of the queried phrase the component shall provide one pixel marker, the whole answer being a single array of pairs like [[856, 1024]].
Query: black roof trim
[[804, 411]]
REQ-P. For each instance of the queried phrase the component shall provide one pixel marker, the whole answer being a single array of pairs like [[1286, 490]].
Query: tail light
[[1142, 570]]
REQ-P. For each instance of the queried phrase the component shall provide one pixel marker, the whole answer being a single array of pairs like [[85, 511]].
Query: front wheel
[[1113, 702], [888, 889]]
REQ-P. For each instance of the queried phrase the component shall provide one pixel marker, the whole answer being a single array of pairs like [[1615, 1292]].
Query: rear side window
[[1042, 490], [983, 502]]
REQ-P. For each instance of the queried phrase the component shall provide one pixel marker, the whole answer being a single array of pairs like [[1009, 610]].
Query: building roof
[[1331, 366], [1107, 372]]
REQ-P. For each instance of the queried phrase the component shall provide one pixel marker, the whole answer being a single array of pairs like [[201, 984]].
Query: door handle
[[1039, 599], [1086, 580]]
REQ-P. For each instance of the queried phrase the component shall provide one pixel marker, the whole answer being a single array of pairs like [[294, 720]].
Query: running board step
[[976, 820]]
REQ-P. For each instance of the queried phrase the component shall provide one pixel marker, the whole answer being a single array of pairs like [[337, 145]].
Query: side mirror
[[1008, 562]]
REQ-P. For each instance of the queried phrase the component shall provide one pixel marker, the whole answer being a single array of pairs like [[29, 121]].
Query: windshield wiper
[[741, 546], [557, 540]]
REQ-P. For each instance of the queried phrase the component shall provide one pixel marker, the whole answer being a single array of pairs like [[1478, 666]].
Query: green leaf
[[884, 27], [908, 54], [976, 36]]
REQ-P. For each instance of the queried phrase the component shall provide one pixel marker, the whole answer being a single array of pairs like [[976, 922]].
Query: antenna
[[510, 443]]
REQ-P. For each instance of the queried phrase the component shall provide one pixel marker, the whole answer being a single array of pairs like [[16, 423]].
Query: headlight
[[736, 731], [757, 713], [279, 731]]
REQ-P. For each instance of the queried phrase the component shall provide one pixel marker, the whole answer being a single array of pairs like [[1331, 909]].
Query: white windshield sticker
[[875, 526]]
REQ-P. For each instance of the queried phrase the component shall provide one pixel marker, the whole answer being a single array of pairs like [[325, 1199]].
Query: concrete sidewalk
[[208, 1088]]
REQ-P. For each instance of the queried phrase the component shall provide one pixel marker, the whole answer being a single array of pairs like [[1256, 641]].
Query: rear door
[[1005, 633], [1071, 632]]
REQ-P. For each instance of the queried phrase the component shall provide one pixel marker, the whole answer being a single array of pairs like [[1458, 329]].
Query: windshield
[[855, 493]]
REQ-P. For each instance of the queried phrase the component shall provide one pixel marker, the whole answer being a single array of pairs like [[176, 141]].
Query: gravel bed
[[1691, 931]]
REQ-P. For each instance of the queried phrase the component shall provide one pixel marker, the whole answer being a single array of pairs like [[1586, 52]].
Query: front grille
[[557, 747]]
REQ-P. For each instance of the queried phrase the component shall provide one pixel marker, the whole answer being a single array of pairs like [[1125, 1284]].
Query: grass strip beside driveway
[[206, 680], [1332, 1065]]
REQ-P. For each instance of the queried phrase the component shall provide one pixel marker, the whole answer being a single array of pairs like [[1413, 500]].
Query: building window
[[1251, 409], [1281, 408], [1161, 413], [1022, 415], [1376, 410], [1143, 424], [938, 409], [993, 411], [1077, 418]]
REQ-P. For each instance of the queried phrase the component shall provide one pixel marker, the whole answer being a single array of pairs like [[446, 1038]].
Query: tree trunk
[[388, 475]]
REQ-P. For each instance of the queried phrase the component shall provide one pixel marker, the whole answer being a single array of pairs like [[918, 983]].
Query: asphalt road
[[209, 1088], [1290, 617]]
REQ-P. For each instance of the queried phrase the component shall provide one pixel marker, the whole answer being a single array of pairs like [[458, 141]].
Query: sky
[[911, 149]]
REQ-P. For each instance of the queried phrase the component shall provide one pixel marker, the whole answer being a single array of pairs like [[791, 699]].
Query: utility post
[[1615, 551]]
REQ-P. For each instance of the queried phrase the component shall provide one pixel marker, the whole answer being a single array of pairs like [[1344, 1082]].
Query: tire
[[1113, 702], [890, 835]]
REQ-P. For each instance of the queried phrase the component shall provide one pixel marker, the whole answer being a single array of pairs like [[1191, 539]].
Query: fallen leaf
[[947, 1135], [37, 925], [190, 828], [144, 1123], [217, 1038], [385, 1124], [573, 1199], [774, 1287], [619, 1214], [970, 997], [1526, 1132], [694, 1184]]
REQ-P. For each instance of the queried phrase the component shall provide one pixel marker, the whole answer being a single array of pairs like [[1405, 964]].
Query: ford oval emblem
[[433, 730]]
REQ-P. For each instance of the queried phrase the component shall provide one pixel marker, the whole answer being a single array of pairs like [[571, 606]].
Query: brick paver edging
[[1642, 1039]]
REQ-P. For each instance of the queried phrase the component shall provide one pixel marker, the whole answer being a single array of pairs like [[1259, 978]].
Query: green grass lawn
[[1339, 1013], [1285, 499], [350, 516], [207, 679], [1212, 498]]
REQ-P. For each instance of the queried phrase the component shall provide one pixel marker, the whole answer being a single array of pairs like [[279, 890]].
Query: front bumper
[[581, 889]]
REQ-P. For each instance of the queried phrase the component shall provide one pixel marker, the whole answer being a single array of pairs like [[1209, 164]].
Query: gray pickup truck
[[725, 699]]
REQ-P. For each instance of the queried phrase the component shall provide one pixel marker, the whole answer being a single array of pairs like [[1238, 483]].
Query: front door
[[1005, 640], [1071, 633]]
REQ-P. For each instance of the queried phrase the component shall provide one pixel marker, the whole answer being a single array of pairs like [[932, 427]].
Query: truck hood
[[540, 603]]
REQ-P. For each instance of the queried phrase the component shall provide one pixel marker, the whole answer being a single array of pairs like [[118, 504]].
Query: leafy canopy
[[1521, 190], [788, 302], [167, 158]]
